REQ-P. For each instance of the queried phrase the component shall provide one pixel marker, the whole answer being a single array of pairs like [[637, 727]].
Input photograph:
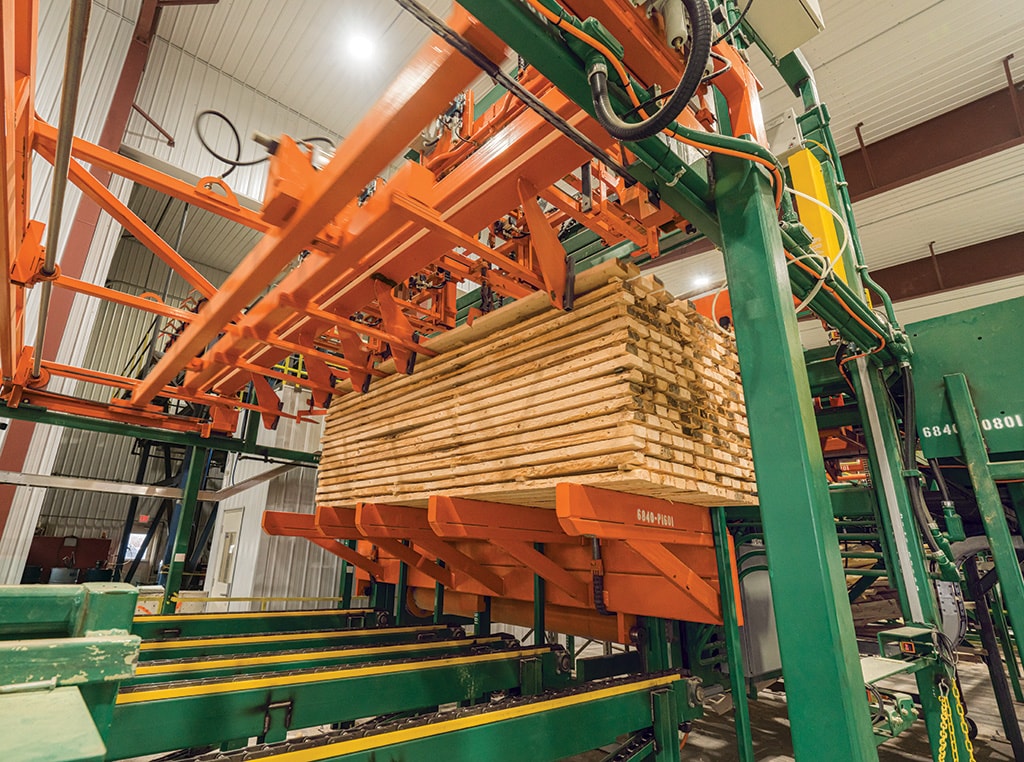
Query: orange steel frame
[[378, 275]]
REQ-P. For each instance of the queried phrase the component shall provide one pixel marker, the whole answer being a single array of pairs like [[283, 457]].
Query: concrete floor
[[713, 739]]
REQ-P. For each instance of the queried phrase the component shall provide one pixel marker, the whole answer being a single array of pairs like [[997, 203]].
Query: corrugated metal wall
[[110, 34], [277, 566], [119, 335]]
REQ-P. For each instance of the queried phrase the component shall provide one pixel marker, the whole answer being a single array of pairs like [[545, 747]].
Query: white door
[[224, 568]]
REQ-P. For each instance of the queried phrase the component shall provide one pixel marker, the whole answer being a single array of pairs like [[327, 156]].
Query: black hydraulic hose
[[699, 15], [940, 479], [924, 518]]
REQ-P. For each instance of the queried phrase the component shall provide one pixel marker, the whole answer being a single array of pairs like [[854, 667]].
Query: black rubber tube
[[699, 15]]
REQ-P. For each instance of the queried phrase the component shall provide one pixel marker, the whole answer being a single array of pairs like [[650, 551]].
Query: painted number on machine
[[652, 517], [995, 423]]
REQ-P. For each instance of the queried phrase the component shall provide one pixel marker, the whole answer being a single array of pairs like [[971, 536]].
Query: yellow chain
[[963, 724], [947, 729], [943, 726]]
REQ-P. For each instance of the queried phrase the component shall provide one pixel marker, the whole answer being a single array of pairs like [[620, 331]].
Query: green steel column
[[401, 593], [1003, 632], [665, 719], [906, 562], [189, 503], [482, 619], [989, 504], [1017, 500], [733, 644], [438, 599], [347, 580], [824, 685], [539, 625]]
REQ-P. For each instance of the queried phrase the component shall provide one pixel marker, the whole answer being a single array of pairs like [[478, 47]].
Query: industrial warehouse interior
[[511, 380]]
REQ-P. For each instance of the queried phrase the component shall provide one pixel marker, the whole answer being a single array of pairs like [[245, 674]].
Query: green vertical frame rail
[[1000, 541], [733, 644], [828, 711], [189, 504]]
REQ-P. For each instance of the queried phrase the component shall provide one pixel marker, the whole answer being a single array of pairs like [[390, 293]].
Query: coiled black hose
[[699, 15]]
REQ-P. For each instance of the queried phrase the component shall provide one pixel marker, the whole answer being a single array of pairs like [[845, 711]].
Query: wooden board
[[632, 390]]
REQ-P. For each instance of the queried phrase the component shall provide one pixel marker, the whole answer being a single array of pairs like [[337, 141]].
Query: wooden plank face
[[631, 391]]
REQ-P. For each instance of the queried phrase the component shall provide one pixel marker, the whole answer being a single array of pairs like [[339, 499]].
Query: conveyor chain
[[371, 728], [248, 676]]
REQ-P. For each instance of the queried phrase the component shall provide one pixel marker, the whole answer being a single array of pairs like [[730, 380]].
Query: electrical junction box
[[785, 25], [908, 642], [784, 136]]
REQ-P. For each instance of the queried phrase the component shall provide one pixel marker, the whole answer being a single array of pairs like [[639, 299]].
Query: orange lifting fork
[[657, 557]]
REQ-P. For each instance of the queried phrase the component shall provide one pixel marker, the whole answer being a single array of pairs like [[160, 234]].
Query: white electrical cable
[[842, 249]]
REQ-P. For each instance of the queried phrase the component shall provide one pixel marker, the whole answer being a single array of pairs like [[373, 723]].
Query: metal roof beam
[[981, 128], [967, 266]]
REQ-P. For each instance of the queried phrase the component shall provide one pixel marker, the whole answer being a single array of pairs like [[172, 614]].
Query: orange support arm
[[434, 77]]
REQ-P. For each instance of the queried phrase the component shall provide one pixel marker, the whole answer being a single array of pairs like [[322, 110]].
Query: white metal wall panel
[[295, 52], [277, 566]]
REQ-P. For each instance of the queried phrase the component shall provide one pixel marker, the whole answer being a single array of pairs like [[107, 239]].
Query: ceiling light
[[361, 47]]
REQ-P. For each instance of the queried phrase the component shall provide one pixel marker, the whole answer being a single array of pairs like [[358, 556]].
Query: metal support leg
[[401, 594], [1003, 633], [438, 599], [482, 619], [183, 530], [1000, 687], [539, 625], [129, 519], [666, 725], [827, 706], [989, 504], [733, 644], [345, 581]]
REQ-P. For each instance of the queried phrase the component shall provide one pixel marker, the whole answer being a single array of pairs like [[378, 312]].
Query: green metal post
[[827, 708], [665, 720], [401, 592], [438, 599], [989, 504], [189, 504], [348, 580], [1003, 632], [1016, 492], [539, 624], [482, 619], [733, 644], [905, 554]]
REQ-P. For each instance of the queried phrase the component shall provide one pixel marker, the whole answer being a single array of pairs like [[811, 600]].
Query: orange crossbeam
[[282, 524], [433, 79]]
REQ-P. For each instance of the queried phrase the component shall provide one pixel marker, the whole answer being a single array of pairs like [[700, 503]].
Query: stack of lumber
[[631, 391]]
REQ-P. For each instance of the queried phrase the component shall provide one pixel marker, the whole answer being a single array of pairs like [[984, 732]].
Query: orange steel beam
[[473, 194], [383, 230], [134, 224], [376, 520], [433, 79], [145, 302], [103, 411], [11, 174], [583, 510], [125, 383], [225, 206], [282, 524]]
